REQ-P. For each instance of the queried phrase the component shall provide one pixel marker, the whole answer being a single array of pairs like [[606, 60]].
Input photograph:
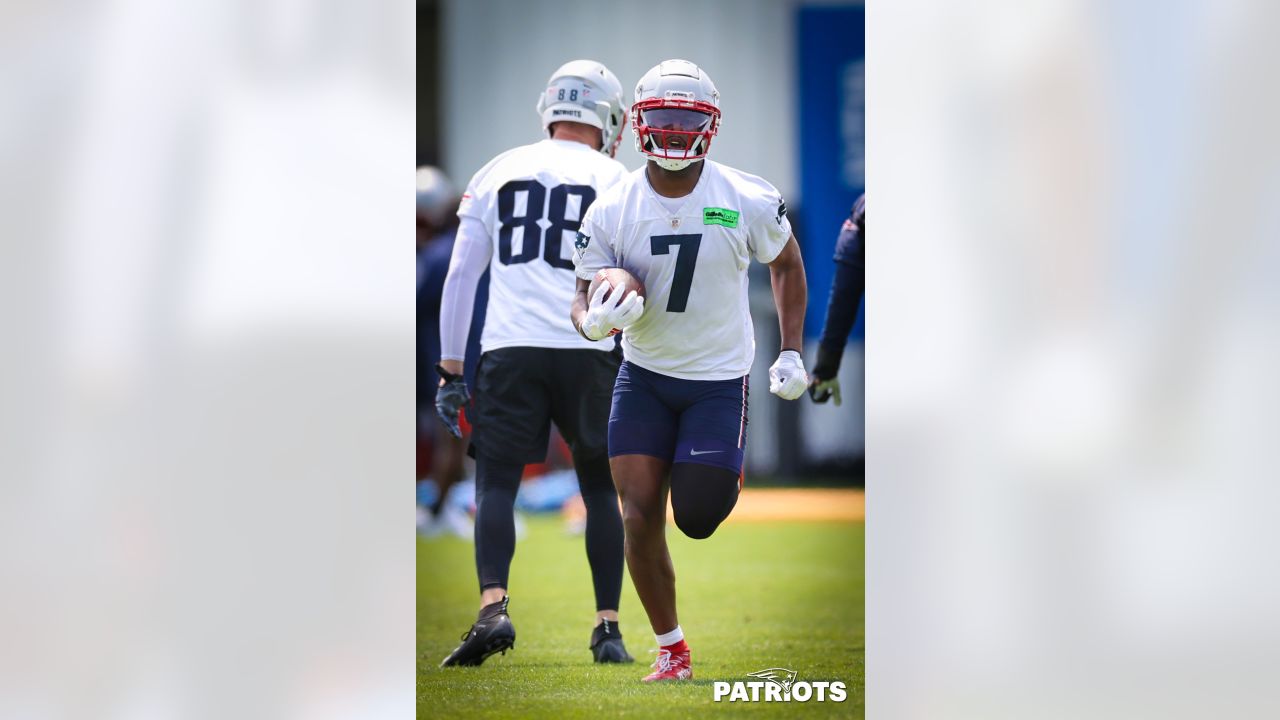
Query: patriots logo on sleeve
[[782, 211], [581, 241]]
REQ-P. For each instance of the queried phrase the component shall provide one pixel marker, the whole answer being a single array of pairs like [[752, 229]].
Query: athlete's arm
[[471, 254], [790, 293], [842, 312], [842, 307], [593, 317], [578, 310], [787, 378]]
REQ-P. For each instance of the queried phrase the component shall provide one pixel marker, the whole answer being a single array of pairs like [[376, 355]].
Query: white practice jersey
[[531, 200], [693, 263]]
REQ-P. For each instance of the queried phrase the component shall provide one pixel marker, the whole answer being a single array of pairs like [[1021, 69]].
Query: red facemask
[[675, 129]]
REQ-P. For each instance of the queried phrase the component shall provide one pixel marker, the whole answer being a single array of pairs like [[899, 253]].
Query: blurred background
[[1072, 394], [791, 78], [207, 364]]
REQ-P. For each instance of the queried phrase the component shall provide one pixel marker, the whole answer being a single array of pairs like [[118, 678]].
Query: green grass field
[[753, 596]]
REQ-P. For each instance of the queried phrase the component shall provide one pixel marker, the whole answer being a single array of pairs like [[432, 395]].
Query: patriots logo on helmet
[[782, 677], [581, 241]]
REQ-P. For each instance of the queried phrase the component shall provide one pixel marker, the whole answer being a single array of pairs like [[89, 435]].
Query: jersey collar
[[656, 199]]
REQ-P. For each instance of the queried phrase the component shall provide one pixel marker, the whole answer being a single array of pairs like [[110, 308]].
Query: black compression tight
[[496, 486], [604, 530]]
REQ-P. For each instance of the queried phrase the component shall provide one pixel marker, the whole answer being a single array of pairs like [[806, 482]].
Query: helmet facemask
[[676, 133]]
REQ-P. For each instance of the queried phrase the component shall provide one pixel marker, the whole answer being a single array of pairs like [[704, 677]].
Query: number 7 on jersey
[[686, 259]]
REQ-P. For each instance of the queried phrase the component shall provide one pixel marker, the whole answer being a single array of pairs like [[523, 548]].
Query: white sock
[[670, 638]]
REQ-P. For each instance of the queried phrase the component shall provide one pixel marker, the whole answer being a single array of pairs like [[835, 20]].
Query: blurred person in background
[[437, 228], [842, 308], [687, 228], [535, 368]]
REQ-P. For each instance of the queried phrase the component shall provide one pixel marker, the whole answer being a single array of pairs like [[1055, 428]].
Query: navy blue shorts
[[689, 421]]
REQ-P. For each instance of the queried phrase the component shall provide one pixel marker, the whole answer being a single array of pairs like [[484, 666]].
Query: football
[[618, 278]]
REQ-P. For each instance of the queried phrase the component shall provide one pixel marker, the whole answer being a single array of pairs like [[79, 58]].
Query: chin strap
[[674, 165]]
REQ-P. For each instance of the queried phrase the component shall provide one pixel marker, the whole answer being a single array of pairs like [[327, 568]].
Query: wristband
[[448, 376]]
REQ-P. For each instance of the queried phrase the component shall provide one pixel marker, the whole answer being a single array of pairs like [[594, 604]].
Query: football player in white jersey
[[688, 228], [519, 216]]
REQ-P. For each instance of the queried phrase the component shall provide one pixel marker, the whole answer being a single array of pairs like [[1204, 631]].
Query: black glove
[[821, 391], [449, 400], [823, 383]]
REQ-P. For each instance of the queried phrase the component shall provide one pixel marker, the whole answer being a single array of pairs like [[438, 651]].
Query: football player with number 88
[[688, 229], [518, 217]]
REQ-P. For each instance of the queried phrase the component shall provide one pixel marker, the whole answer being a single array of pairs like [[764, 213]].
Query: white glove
[[606, 317], [787, 378]]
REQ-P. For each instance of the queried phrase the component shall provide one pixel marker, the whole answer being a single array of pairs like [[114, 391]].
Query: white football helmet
[[584, 91], [677, 112], [437, 198]]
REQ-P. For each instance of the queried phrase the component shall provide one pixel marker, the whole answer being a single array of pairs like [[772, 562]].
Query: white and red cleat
[[672, 664]]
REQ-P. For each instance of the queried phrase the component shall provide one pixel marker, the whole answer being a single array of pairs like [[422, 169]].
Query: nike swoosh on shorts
[[703, 452]]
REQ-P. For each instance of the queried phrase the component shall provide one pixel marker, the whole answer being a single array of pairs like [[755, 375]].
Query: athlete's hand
[[450, 398], [787, 378], [606, 317], [822, 390]]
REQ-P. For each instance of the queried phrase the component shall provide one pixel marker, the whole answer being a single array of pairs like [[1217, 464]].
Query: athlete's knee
[[701, 498], [594, 477], [641, 518]]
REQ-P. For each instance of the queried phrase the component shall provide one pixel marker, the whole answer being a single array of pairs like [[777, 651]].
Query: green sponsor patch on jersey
[[720, 216]]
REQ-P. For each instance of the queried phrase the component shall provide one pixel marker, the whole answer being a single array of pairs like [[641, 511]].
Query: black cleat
[[606, 644], [492, 633]]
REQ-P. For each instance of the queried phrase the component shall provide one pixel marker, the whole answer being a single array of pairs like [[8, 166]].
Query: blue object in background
[[433, 267], [831, 122]]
